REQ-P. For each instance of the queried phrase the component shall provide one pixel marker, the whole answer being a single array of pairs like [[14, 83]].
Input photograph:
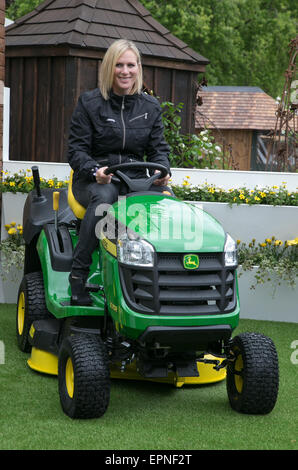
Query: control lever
[[35, 173], [56, 196]]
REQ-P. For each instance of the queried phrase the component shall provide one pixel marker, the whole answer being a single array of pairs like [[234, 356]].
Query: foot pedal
[[93, 287]]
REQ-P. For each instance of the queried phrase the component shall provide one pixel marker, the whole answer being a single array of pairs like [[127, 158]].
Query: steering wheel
[[140, 184]]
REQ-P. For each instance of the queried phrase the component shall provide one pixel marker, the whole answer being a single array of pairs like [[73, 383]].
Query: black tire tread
[[35, 305], [260, 375], [92, 377]]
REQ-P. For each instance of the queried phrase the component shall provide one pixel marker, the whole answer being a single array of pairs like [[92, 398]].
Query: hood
[[169, 224]]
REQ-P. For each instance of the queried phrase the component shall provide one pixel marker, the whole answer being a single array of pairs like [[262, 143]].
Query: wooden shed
[[54, 53], [239, 117]]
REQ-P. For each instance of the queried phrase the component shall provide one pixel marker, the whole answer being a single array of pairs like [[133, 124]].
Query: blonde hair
[[107, 68]]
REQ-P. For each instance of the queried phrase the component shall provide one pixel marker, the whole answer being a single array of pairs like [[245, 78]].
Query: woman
[[116, 123]]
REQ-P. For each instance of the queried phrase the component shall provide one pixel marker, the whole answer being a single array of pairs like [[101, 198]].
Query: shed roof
[[227, 107], [95, 24]]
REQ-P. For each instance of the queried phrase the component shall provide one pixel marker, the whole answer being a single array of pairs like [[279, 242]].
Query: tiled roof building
[[239, 118]]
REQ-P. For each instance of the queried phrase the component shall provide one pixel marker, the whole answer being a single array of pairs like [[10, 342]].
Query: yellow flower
[[242, 196], [12, 224], [257, 198], [12, 183], [292, 242], [211, 190], [12, 231], [268, 240], [238, 242], [278, 243], [262, 194], [263, 244], [19, 227]]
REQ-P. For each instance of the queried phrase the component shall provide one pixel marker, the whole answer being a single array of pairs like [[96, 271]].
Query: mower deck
[[47, 363]]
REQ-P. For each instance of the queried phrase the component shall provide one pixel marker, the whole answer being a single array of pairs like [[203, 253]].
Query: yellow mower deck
[[47, 363]]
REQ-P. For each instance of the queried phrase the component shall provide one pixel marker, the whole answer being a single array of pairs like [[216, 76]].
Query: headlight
[[135, 252], [230, 251]]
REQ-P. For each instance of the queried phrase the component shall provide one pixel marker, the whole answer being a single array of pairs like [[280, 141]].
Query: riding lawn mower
[[163, 282]]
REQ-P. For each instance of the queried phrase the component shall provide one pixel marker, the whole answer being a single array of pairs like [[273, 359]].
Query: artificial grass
[[144, 415]]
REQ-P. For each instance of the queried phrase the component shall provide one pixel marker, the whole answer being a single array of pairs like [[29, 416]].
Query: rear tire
[[253, 377], [83, 376], [31, 306]]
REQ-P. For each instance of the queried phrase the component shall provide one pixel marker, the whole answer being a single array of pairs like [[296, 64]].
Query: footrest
[[93, 287]]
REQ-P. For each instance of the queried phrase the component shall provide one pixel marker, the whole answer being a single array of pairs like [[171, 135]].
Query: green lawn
[[144, 415]]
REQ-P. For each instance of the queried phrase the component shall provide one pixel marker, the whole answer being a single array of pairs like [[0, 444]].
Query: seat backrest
[[76, 207]]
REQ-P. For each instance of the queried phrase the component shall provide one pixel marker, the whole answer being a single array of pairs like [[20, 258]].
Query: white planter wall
[[265, 303], [12, 210], [245, 222], [9, 286]]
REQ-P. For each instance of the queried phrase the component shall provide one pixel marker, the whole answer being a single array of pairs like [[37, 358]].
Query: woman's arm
[[80, 143]]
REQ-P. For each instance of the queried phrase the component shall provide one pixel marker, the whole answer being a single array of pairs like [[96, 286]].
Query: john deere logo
[[191, 261]]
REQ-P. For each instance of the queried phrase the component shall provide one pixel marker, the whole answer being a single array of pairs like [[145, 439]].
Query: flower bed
[[22, 182], [273, 196], [12, 252], [247, 213], [273, 261]]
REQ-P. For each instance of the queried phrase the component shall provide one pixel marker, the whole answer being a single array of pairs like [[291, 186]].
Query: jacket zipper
[[123, 124], [145, 115]]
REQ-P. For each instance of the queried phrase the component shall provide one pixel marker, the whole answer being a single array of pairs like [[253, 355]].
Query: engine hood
[[169, 224]]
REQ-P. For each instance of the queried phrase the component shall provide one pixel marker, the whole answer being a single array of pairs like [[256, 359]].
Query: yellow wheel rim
[[21, 313], [69, 377], [238, 370]]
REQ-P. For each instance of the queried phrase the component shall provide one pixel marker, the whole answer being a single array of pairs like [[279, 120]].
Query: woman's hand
[[101, 177], [162, 181]]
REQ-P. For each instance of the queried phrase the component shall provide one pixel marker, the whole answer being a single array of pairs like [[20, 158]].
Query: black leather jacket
[[117, 130]]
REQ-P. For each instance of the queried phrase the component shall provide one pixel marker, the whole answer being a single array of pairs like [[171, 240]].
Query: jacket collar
[[117, 100]]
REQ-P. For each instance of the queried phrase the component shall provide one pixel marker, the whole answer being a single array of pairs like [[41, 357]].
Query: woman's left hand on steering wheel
[[161, 181]]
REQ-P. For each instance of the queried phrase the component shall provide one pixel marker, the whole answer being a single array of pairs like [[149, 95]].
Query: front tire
[[252, 374], [83, 376]]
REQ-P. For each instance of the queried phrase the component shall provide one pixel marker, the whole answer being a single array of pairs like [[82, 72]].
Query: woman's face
[[126, 72]]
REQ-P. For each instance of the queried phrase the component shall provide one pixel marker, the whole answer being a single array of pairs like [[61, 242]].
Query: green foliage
[[246, 41], [12, 250], [188, 150], [18, 8], [276, 261]]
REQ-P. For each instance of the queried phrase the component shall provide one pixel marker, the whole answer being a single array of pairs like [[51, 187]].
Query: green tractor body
[[165, 301]]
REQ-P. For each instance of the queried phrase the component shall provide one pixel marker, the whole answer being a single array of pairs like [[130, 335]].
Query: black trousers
[[91, 195]]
